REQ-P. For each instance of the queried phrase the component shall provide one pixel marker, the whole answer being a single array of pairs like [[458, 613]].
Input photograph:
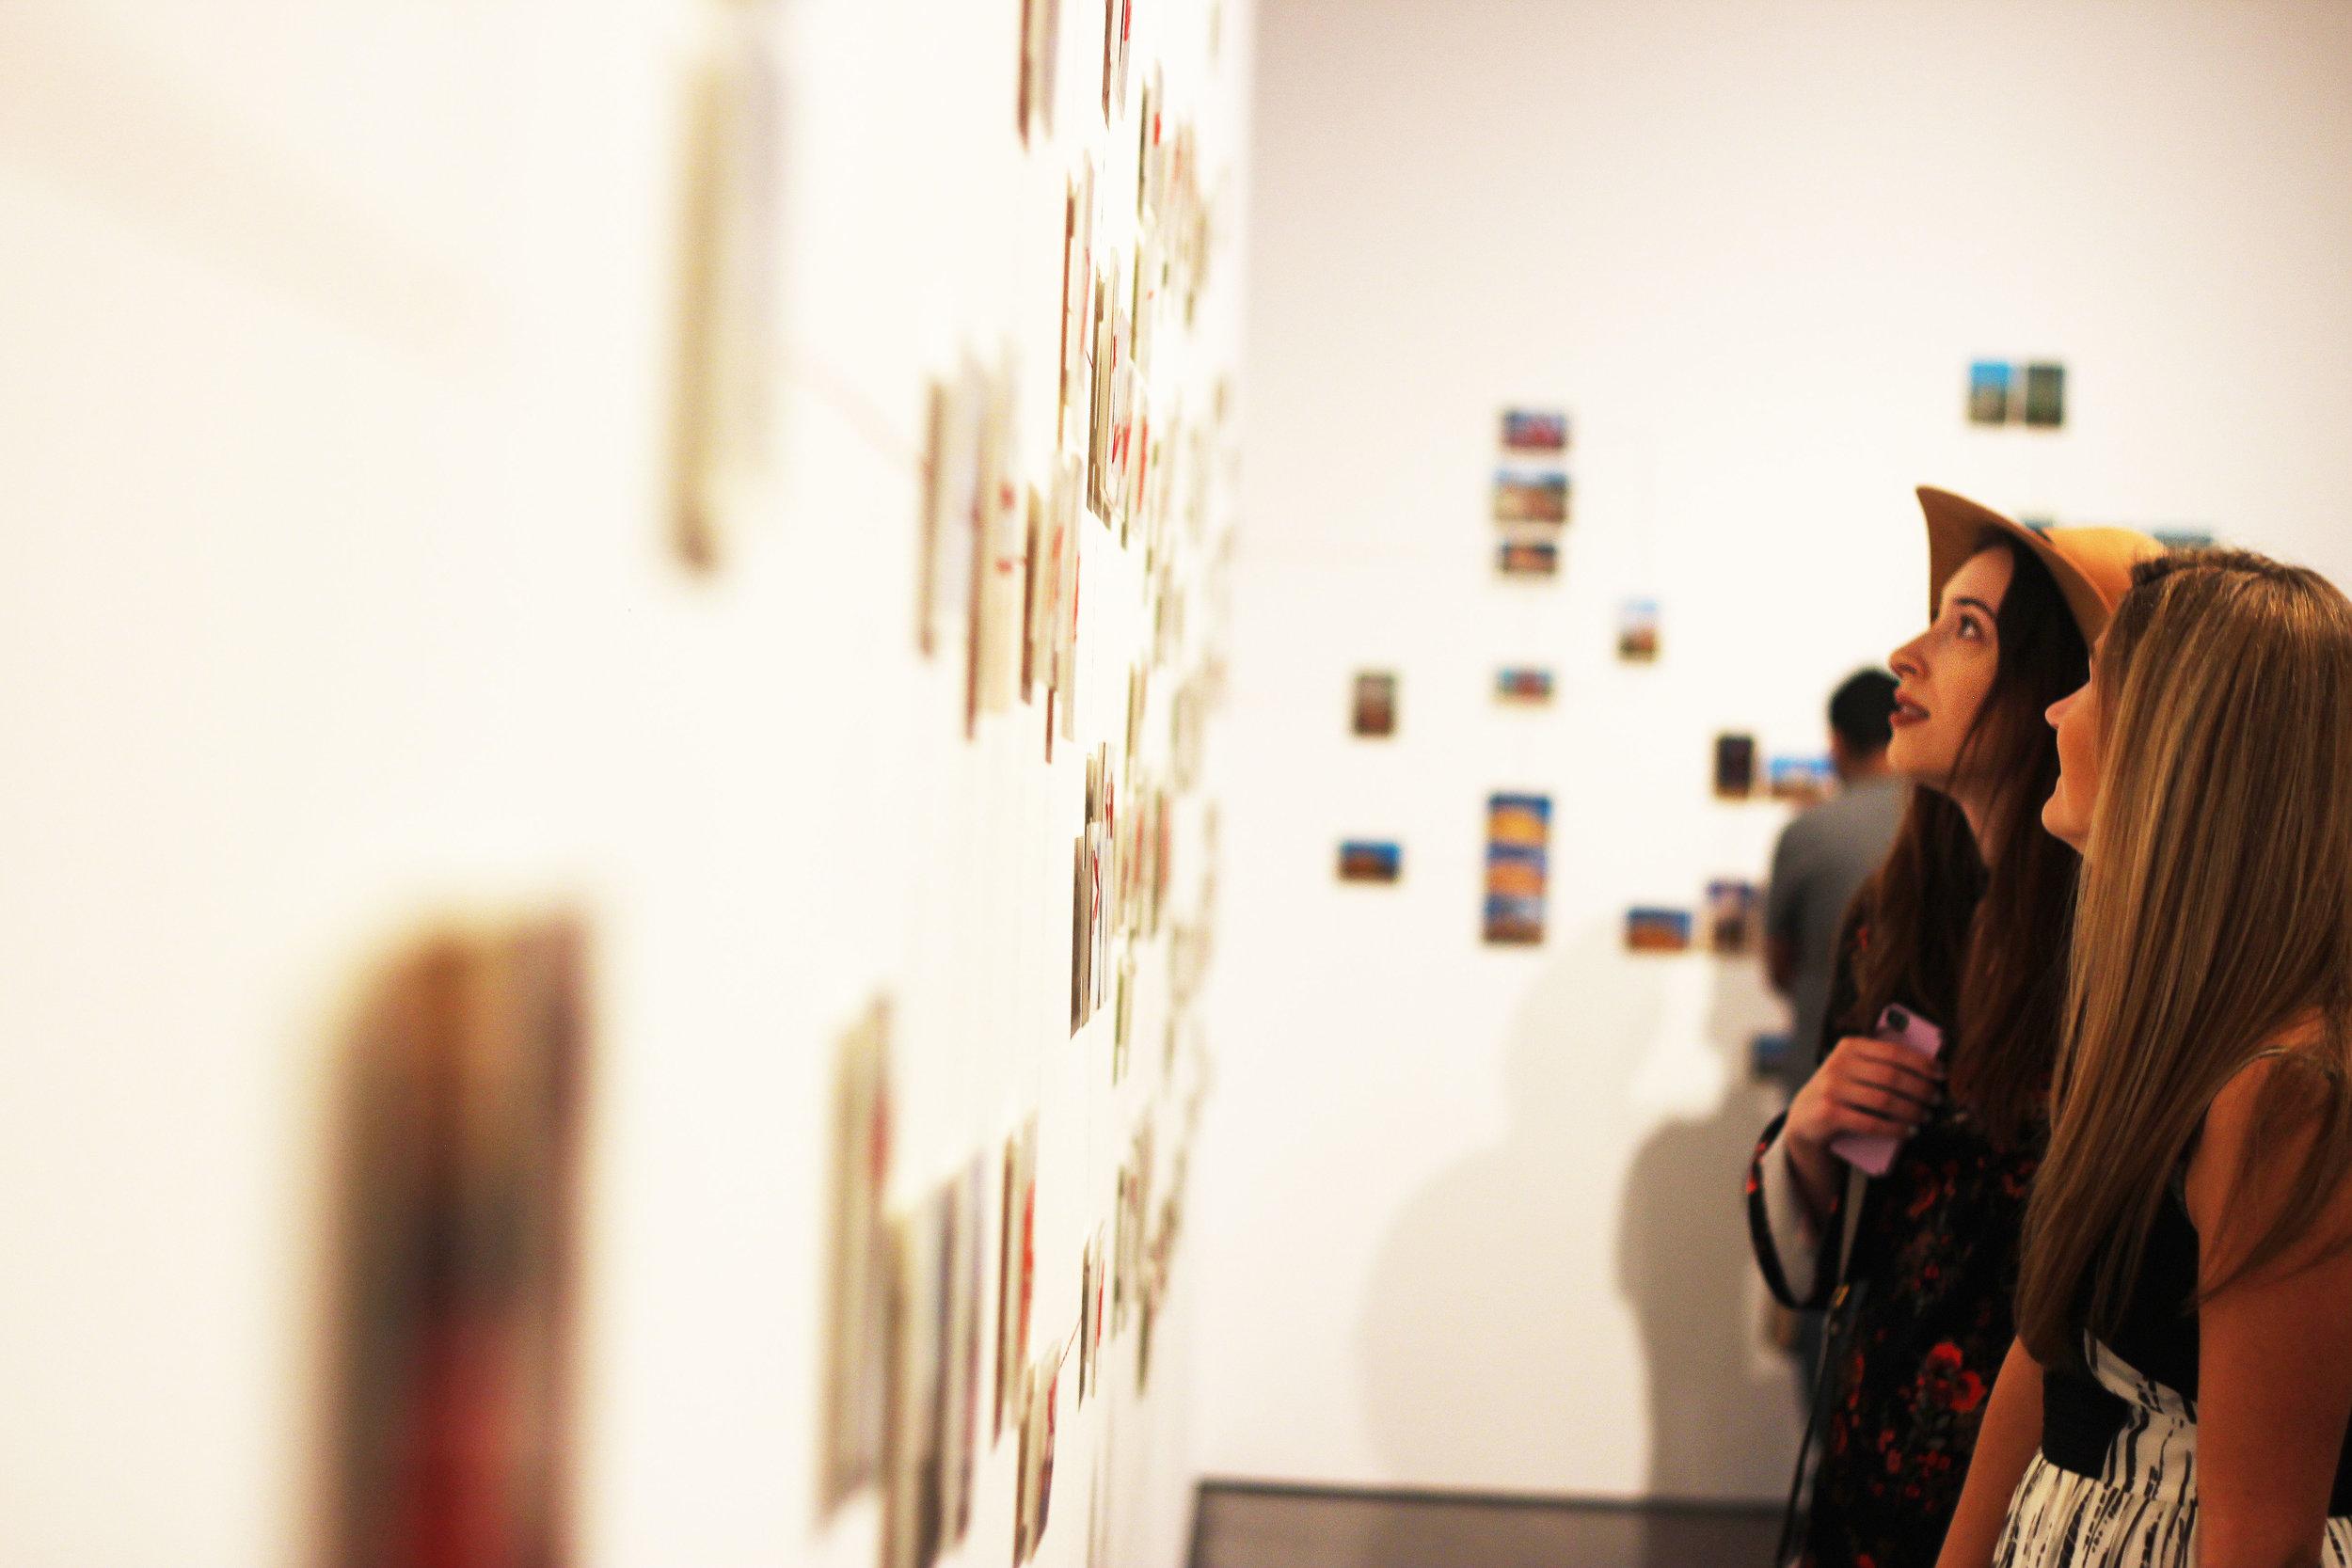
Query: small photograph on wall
[[1637, 631], [912, 1465], [1653, 930], [1040, 51], [1518, 837], [1016, 1271], [449, 1283], [1374, 714], [1364, 859], [1734, 766], [2184, 538], [857, 1264], [1523, 685], [1034, 1503], [1800, 780], [1732, 909], [1530, 496], [2045, 396], [1988, 393], [1535, 430], [959, 1348], [1529, 557]]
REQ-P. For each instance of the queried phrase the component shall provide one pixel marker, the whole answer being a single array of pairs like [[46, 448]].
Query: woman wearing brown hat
[[2181, 1384], [1965, 926]]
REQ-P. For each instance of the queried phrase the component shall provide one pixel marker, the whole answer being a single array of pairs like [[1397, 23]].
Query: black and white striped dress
[[2138, 1507]]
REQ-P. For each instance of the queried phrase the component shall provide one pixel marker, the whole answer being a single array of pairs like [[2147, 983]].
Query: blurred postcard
[[857, 1274], [1375, 704], [1519, 838], [1535, 430], [1637, 631], [1530, 496], [1371, 860], [2045, 395], [1735, 766], [1732, 907], [1801, 780], [1537, 558], [1651, 930], [1988, 393], [1523, 685]]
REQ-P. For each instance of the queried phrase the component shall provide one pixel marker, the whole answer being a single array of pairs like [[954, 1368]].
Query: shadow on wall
[[1724, 1409], [1486, 1336]]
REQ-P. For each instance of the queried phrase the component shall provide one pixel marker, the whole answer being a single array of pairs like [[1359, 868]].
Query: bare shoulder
[[2260, 1133]]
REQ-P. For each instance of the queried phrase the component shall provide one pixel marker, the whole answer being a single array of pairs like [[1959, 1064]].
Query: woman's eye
[[1968, 627]]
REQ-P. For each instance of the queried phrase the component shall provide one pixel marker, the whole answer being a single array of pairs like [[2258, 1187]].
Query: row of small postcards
[[1519, 838], [915, 1386]]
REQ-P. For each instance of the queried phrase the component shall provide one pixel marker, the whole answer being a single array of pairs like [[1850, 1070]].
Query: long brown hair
[[2216, 916], [1980, 947]]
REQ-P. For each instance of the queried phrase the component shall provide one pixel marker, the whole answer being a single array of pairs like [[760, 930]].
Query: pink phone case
[[1874, 1151]]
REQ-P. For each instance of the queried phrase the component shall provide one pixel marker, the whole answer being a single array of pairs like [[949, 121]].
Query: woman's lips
[[1908, 712]]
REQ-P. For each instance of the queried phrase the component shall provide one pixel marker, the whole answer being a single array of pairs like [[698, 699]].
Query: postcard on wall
[[1375, 704], [1040, 51], [911, 1515], [2184, 538], [1530, 496], [1529, 557], [723, 389], [2045, 395], [1016, 1263], [1535, 430], [1371, 860], [1034, 576], [1078, 282], [1102, 1269], [1988, 393], [1035, 1471], [1004, 549], [1732, 912], [1637, 631], [967, 1211], [1800, 780], [1152, 151], [1523, 685], [453, 1267], [1734, 766], [1081, 930], [951, 507], [1090, 1305], [1656, 930], [1518, 837], [1118, 36], [857, 1265]]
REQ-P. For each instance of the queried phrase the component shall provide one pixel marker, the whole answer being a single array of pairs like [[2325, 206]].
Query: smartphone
[[1875, 1151]]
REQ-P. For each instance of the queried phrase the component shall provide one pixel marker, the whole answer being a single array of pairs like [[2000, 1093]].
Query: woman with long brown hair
[[1965, 926], [2181, 1382]]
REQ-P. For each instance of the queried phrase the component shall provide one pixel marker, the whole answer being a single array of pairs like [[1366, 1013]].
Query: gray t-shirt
[[1822, 860]]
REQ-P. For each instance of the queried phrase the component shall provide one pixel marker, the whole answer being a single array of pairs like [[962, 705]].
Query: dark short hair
[[1863, 710]]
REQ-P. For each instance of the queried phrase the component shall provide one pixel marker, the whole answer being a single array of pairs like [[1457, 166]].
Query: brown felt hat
[[2092, 565]]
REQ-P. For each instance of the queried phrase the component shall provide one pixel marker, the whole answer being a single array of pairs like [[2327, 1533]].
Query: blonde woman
[[2181, 1382]]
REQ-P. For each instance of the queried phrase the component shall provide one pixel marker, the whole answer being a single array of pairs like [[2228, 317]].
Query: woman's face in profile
[[2067, 813], [1946, 672]]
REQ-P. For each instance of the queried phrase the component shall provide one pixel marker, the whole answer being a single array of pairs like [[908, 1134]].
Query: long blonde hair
[[2215, 914]]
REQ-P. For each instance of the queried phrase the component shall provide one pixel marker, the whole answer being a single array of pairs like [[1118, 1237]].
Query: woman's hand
[[1866, 1086]]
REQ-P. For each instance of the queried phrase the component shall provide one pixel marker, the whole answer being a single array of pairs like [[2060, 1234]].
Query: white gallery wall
[[1475, 1211], [339, 592]]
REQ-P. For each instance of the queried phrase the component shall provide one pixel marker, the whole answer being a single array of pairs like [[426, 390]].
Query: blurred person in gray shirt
[[1823, 858]]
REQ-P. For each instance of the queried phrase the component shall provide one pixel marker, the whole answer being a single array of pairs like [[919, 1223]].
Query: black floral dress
[[1917, 1329]]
